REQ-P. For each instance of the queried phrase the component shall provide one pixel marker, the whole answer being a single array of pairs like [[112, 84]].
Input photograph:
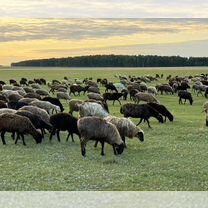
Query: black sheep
[[142, 111], [16, 105], [78, 89], [54, 101], [63, 122], [111, 87], [125, 93], [112, 96], [186, 96], [162, 110]]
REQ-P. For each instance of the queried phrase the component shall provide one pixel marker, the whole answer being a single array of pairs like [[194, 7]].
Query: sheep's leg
[[52, 133], [102, 148], [42, 132], [2, 137], [58, 135], [148, 123], [13, 135], [72, 136], [119, 101], [83, 149], [124, 140], [113, 102], [23, 139], [18, 136], [165, 119], [96, 143], [114, 149], [140, 121], [180, 100]]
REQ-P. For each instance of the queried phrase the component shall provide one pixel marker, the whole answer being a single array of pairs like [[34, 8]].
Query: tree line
[[116, 61]]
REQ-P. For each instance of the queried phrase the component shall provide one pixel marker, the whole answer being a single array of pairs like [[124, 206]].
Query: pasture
[[172, 157]]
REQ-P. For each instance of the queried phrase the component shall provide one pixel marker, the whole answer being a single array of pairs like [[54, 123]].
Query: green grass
[[172, 157]]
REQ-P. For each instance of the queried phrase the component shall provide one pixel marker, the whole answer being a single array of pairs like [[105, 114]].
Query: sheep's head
[[38, 137], [159, 118], [119, 149], [140, 135]]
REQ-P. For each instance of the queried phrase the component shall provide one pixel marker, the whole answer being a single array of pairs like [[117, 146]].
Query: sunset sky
[[28, 31]]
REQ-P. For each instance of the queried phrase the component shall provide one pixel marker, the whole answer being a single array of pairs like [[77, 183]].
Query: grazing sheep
[[126, 128], [7, 87], [142, 111], [94, 96], [35, 86], [93, 89], [19, 124], [29, 90], [54, 101], [16, 105], [7, 110], [33, 95], [186, 96], [102, 103], [63, 95], [165, 88], [14, 97], [132, 93], [63, 122], [94, 128], [162, 110], [49, 107], [78, 89], [42, 92], [152, 90], [111, 87], [37, 111], [141, 96], [36, 121], [92, 109], [28, 100], [73, 105], [113, 96]]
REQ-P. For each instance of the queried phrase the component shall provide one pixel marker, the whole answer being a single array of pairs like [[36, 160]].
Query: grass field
[[172, 157]]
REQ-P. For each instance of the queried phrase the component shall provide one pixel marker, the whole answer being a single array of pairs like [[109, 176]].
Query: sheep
[[16, 105], [165, 88], [35, 86], [7, 93], [125, 93], [28, 100], [126, 128], [14, 97], [112, 96], [37, 111], [92, 109], [49, 107], [7, 110], [33, 95], [132, 93], [162, 110], [94, 96], [152, 90], [73, 105], [16, 123], [7, 87], [93, 89], [102, 103], [3, 98], [54, 101], [42, 92], [29, 90], [63, 122], [95, 128], [142, 111], [111, 87], [141, 96], [119, 86], [78, 89], [36, 120], [186, 96], [63, 95]]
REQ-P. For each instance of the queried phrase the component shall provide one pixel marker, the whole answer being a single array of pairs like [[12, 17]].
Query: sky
[[61, 28]]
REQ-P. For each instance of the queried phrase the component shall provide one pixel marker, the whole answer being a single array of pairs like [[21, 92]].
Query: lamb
[[63, 122], [54, 101], [46, 106], [113, 96], [141, 96], [162, 110], [92, 109], [94, 128], [186, 96], [15, 123], [142, 111], [37, 111], [73, 105]]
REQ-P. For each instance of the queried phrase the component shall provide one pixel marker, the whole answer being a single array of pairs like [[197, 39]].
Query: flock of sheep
[[26, 107]]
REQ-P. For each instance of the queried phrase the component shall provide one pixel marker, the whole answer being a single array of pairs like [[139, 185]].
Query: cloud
[[78, 29], [103, 8]]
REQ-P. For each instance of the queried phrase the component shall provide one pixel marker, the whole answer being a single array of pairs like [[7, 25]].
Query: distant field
[[172, 157]]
